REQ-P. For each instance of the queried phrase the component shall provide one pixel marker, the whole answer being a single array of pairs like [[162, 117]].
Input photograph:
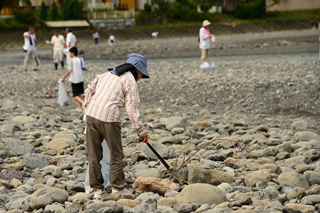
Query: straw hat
[[205, 23]]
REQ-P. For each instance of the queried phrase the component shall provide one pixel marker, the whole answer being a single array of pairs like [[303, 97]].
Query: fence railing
[[111, 14], [102, 5]]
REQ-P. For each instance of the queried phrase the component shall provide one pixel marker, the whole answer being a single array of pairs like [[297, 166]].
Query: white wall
[[294, 5]]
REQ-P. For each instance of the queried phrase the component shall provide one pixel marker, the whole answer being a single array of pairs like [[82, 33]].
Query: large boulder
[[156, 185], [293, 179], [176, 122], [46, 196], [200, 174], [258, 178], [202, 194], [19, 147], [33, 160]]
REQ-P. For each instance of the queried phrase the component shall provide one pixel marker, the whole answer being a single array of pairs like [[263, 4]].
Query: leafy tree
[[162, 5], [54, 11], [147, 7], [61, 2], [65, 11], [1, 4], [43, 11], [77, 10], [250, 10]]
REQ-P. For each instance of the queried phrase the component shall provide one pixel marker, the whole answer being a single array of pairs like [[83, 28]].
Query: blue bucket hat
[[139, 62]]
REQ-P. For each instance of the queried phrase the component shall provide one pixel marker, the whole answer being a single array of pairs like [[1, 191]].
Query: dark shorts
[[77, 89]]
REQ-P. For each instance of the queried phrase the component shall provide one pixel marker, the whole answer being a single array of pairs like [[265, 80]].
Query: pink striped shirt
[[107, 93]]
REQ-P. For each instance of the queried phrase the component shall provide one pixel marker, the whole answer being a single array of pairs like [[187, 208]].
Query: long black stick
[[159, 157]]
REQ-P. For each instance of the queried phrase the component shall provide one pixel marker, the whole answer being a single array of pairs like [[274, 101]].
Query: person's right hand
[[210, 36], [144, 137]]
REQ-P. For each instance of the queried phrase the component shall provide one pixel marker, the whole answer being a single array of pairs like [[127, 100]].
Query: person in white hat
[[204, 41]]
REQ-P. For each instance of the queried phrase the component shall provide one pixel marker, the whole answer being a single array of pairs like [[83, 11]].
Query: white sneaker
[[97, 194], [77, 110], [124, 191]]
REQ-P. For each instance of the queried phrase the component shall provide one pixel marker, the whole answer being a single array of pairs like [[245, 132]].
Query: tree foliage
[[147, 7], [160, 5], [54, 11], [65, 10], [77, 10], [43, 11], [250, 10]]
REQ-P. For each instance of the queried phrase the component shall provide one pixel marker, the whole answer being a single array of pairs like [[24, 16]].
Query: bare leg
[[79, 99]]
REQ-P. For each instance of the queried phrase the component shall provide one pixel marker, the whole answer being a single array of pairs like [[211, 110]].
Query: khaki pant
[[57, 56], [97, 131], [27, 55], [204, 55]]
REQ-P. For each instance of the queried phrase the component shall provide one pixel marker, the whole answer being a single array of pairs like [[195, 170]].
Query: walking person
[[71, 41], [76, 66], [58, 43], [96, 37], [204, 41], [103, 105], [30, 50]]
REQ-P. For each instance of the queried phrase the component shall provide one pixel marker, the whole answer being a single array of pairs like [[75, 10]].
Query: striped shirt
[[107, 93]]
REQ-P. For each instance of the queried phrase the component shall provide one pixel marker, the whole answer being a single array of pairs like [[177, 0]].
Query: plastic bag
[[105, 167], [63, 99], [213, 39]]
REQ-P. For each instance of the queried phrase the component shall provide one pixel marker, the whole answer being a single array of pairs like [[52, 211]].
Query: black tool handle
[[160, 158]]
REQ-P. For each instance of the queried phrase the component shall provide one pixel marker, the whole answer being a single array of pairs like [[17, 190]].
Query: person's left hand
[[144, 137]]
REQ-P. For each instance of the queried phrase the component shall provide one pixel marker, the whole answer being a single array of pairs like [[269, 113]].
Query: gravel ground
[[249, 128], [225, 45]]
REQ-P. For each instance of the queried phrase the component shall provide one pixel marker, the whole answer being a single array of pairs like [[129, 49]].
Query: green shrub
[[250, 10], [25, 16], [54, 11], [147, 7], [44, 12]]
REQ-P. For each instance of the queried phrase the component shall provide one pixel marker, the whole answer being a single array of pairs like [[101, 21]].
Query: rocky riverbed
[[293, 41], [241, 137]]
